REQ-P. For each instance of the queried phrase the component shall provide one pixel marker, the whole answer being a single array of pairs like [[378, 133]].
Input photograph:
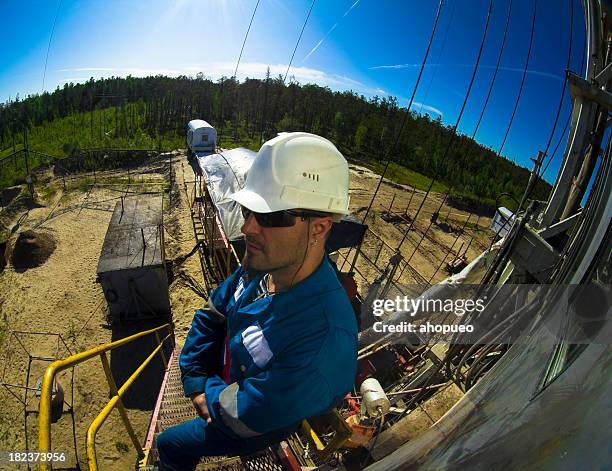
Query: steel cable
[[451, 139], [436, 64], [49, 45], [520, 93], [299, 38], [264, 123], [500, 257], [407, 113], [525, 69], [563, 134], [245, 38]]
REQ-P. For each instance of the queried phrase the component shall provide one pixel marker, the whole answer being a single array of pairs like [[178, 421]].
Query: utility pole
[[265, 106], [27, 164], [221, 105]]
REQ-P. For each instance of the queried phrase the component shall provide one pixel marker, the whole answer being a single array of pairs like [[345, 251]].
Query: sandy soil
[[62, 296], [431, 256]]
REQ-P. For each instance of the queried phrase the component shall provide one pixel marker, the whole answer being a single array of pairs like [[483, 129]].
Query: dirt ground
[[456, 229], [61, 297]]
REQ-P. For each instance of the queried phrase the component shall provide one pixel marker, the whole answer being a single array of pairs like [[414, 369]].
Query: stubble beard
[[264, 265], [260, 263]]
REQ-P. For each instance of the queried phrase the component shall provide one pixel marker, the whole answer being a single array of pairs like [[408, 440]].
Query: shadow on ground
[[126, 359]]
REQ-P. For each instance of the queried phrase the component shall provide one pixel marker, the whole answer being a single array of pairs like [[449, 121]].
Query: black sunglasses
[[284, 218]]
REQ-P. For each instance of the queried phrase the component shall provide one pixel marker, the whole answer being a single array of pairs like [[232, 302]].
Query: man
[[277, 341]]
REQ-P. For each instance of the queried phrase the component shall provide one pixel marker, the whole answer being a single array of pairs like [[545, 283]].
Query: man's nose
[[250, 226]]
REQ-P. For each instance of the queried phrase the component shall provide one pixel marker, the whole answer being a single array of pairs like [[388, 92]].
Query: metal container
[[132, 268], [375, 400]]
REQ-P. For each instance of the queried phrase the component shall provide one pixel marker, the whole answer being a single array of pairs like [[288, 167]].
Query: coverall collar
[[314, 284]]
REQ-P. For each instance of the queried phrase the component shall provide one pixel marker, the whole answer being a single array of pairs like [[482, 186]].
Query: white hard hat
[[296, 170]]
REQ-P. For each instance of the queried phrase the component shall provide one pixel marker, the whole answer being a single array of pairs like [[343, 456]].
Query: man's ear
[[320, 227]]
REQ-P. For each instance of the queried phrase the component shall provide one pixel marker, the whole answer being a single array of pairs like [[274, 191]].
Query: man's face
[[274, 248]]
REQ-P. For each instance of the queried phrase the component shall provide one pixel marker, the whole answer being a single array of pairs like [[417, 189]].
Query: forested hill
[[153, 111]]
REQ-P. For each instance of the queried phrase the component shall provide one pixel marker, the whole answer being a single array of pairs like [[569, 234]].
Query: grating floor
[[176, 408]]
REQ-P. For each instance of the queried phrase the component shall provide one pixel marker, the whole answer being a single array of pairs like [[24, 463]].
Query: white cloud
[[322, 40], [508, 69], [88, 69], [319, 43], [301, 74], [532, 72], [425, 107], [257, 70], [395, 66], [74, 80], [247, 69]]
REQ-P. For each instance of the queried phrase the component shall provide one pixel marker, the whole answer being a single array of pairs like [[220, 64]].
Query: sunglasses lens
[[274, 219]]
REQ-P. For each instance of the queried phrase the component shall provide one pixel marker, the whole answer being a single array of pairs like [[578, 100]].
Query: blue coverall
[[293, 356]]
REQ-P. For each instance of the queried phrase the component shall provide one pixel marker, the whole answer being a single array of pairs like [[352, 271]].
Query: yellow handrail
[[44, 418]]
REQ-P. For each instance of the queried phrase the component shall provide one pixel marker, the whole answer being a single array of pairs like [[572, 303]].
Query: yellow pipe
[[44, 416], [313, 435], [113, 390], [103, 415], [163, 355]]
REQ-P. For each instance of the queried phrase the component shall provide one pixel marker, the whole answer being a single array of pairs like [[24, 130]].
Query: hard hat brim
[[253, 201]]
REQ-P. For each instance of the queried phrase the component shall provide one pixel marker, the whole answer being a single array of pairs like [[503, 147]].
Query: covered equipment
[[224, 174], [201, 136]]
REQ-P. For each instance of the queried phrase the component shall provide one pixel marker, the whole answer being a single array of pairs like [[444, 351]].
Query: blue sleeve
[[274, 399], [202, 352]]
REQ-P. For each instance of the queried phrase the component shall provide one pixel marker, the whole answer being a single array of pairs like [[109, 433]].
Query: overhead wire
[[264, 120], [436, 64], [299, 38], [500, 257], [398, 135], [484, 108], [499, 58], [567, 66], [538, 171], [451, 139], [564, 133], [520, 93], [476, 369], [59, 5], [264, 125], [565, 127], [424, 233], [245, 38]]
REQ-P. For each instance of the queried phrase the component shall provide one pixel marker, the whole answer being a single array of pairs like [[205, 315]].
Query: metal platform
[[173, 408]]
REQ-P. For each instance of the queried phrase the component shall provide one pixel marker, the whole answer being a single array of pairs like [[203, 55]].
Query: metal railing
[[223, 259], [44, 419]]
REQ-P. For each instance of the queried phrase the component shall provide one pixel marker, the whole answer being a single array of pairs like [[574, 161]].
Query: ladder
[[172, 408]]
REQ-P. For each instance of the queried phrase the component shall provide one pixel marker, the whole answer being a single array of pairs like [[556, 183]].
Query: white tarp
[[224, 174]]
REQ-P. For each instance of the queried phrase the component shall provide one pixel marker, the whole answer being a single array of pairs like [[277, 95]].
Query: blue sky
[[371, 47]]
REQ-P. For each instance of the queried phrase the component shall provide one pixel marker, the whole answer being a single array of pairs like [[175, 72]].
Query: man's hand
[[199, 402]]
